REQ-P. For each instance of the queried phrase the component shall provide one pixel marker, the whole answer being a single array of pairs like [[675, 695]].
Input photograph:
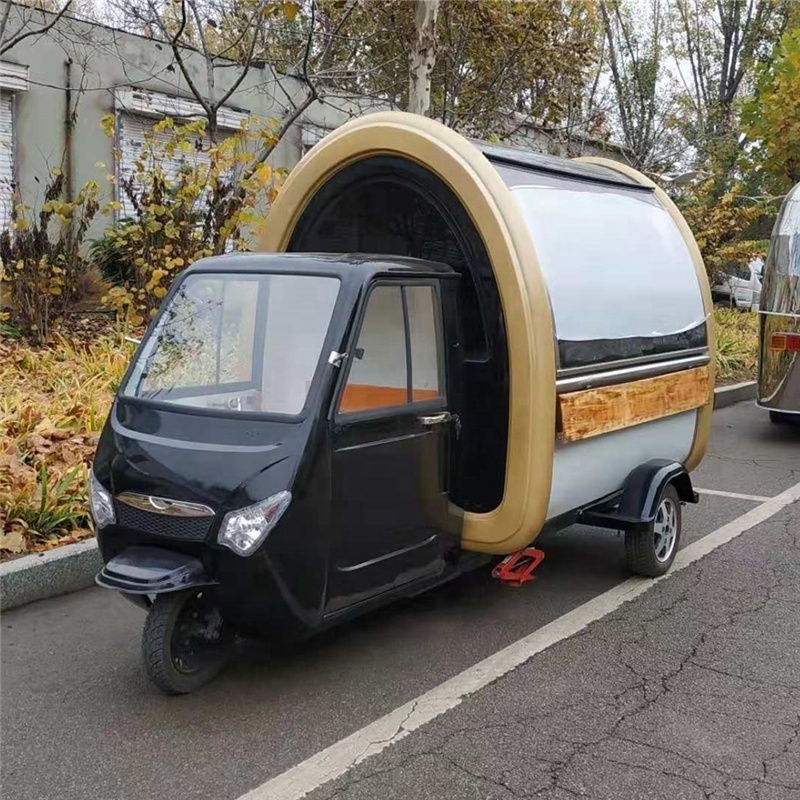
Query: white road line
[[370, 740], [757, 498]]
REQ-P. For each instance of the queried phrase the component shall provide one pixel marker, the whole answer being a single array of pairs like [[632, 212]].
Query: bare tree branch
[[6, 44]]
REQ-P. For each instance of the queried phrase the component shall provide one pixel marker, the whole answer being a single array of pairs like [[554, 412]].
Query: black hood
[[222, 462]]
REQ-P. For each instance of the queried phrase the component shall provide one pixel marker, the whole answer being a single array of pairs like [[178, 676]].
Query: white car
[[741, 288]]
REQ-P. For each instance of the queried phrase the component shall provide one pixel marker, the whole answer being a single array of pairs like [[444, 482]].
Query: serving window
[[397, 358]]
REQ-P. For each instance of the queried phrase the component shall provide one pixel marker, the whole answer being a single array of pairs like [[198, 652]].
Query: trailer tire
[[651, 552], [165, 659]]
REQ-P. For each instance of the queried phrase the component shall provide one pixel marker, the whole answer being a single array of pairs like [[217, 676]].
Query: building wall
[[102, 60]]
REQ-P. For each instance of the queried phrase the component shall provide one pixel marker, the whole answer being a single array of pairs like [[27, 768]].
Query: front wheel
[[185, 641], [651, 553]]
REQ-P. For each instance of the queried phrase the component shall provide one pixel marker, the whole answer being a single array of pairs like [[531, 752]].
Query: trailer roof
[[526, 159]]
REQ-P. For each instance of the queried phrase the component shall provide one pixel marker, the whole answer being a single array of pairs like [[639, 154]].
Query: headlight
[[244, 530], [101, 502]]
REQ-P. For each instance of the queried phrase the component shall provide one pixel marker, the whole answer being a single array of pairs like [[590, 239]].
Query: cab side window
[[425, 361], [396, 360]]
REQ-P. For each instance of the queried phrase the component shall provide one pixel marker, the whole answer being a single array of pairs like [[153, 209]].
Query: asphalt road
[[692, 690]]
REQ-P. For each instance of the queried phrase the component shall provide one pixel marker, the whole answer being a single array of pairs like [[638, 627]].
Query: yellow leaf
[[290, 10], [264, 174], [109, 125]]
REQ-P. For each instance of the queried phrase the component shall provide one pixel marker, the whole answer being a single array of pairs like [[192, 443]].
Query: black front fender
[[152, 570]]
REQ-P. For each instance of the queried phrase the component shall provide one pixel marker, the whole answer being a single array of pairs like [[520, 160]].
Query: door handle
[[436, 419]]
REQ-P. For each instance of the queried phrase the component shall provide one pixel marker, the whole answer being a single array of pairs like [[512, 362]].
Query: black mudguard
[[636, 508], [152, 570]]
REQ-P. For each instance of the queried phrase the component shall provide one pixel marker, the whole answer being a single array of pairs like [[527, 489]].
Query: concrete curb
[[73, 567], [42, 575], [738, 392]]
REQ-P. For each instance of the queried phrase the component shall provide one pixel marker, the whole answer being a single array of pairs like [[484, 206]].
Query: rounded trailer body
[[779, 341], [586, 339]]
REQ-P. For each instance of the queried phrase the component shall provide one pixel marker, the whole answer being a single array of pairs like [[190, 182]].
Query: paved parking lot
[[690, 690]]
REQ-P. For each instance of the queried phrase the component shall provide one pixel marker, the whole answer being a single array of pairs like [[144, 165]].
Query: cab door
[[391, 431]]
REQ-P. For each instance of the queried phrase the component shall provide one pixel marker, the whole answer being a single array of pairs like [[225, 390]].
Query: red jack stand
[[516, 569]]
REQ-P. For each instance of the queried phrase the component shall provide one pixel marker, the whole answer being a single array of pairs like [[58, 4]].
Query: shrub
[[52, 408], [207, 208], [109, 256], [41, 265], [737, 344]]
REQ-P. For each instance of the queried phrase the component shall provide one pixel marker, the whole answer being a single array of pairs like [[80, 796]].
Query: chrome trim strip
[[165, 506], [606, 366], [612, 377], [386, 556]]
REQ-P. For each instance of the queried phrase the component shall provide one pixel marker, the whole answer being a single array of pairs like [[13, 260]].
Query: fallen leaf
[[13, 542]]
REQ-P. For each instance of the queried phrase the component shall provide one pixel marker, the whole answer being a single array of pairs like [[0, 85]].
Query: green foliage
[[719, 225], [107, 254], [772, 116]]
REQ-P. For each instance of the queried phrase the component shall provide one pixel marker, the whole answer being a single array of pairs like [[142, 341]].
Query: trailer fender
[[644, 486]]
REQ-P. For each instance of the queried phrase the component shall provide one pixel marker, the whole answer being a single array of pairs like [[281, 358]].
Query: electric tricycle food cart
[[308, 432], [779, 342]]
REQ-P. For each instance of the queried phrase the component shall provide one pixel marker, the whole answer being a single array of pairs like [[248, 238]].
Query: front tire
[[651, 553], [185, 641]]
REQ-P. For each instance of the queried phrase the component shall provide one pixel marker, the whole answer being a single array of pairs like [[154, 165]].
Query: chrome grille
[[187, 528]]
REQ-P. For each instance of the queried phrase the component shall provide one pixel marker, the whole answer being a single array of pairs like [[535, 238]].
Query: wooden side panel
[[594, 411]]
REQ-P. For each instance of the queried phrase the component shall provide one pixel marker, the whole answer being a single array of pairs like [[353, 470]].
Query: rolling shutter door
[[6, 156], [132, 132]]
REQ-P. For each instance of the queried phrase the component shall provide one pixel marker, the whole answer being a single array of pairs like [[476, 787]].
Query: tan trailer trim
[[523, 294], [595, 411]]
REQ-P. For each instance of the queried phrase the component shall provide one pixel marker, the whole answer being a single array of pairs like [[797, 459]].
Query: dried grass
[[53, 405]]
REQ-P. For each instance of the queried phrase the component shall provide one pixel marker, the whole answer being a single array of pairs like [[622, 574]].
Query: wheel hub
[[198, 634], [665, 529]]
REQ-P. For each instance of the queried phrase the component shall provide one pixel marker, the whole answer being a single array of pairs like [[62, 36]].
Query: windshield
[[244, 343]]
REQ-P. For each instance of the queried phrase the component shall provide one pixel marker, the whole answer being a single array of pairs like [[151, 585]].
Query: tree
[[722, 42], [772, 117], [32, 20], [228, 37], [423, 56], [498, 65], [646, 102]]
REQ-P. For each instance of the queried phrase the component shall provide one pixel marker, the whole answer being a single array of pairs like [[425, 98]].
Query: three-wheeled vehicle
[[308, 432], [779, 341]]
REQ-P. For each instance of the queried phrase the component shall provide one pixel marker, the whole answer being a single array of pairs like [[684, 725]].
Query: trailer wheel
[[185, 641], [651, 553]]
